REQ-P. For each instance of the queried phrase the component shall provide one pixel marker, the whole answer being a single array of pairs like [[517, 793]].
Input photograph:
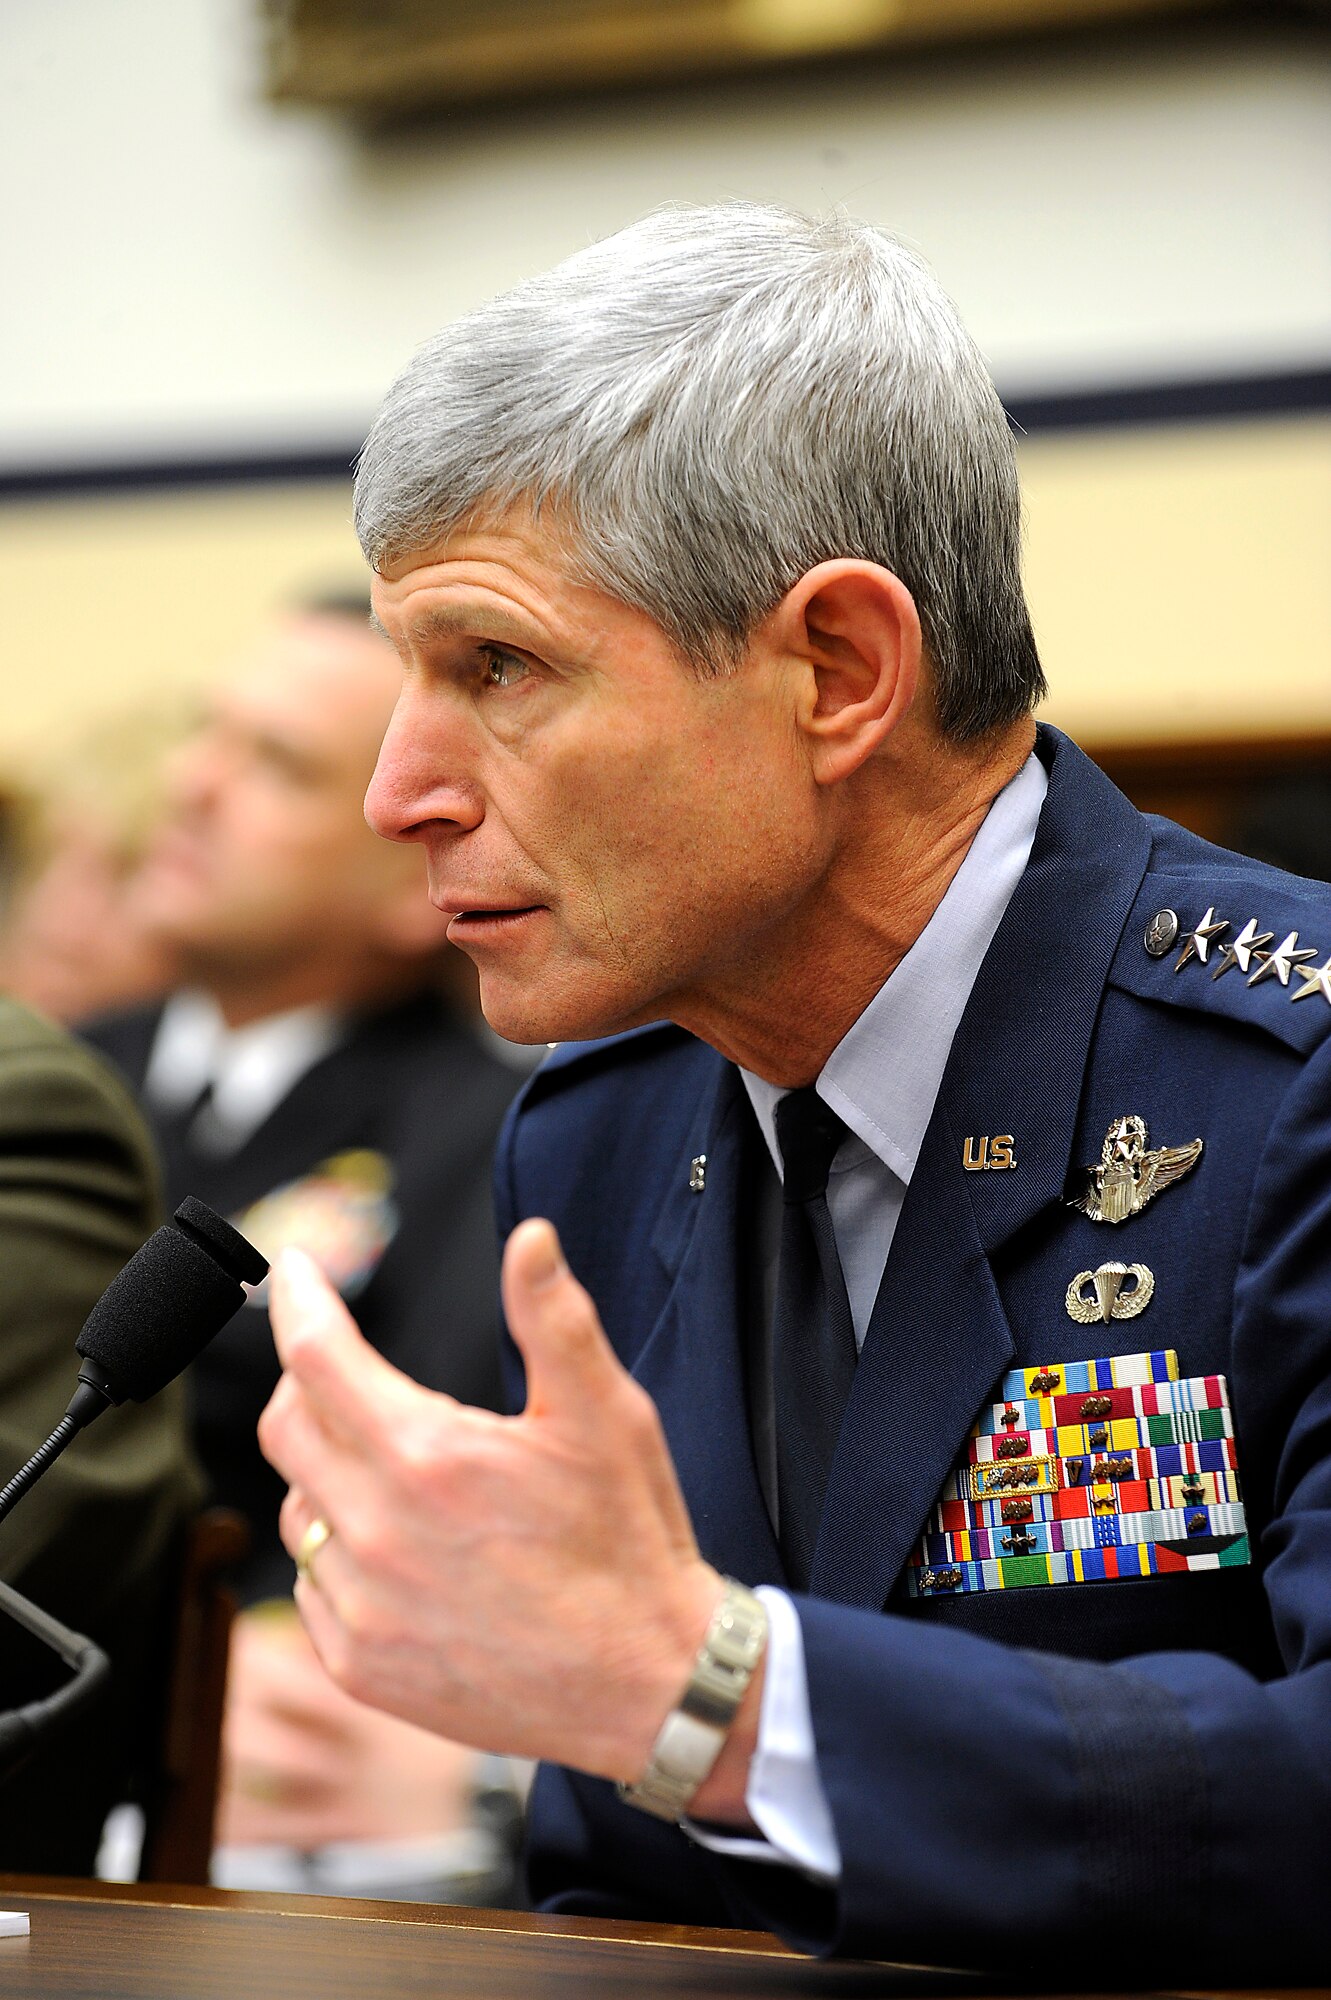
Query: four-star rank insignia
[[1250, 951], [1128, 1175]]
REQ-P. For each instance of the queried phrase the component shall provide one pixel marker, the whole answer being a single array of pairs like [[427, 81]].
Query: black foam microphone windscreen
[[167, 1303]]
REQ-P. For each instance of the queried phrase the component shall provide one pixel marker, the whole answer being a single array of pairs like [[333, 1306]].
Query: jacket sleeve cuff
[[785, 1794]]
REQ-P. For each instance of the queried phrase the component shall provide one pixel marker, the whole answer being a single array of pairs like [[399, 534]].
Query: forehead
[[514, 580]]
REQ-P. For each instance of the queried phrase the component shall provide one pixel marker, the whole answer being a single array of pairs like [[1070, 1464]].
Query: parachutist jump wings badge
[[1128, 1176]]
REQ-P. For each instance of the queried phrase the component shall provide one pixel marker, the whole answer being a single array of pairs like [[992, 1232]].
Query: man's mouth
[[464, 924], [175, 851]]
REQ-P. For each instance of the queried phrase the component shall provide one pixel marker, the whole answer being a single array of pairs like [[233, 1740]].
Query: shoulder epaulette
[[1236, 939]]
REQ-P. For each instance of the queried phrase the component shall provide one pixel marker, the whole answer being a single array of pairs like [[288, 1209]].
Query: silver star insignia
[[1315, 980], [1198, 941], [1128, 1176], [1282, 961], [1241, 951]]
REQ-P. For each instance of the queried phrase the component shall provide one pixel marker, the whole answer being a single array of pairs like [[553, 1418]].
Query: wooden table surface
[[102, 1941]]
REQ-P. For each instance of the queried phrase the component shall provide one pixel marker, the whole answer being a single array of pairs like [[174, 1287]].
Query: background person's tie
[[813, 1336]]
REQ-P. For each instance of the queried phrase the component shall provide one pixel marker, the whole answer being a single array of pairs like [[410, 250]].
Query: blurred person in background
[[72, 942], [97, 1542], [308, 1079]]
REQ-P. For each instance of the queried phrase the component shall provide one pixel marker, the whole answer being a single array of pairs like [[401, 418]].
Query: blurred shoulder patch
[[341, 1213]]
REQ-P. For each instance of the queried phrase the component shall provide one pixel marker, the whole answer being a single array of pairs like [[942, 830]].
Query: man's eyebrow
[[463, 621]]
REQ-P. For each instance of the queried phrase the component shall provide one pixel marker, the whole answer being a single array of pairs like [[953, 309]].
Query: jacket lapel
[[938, 1339], [693, 1364]]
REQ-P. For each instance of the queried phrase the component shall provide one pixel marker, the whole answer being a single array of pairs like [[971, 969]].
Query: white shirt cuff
[[785, 1794]]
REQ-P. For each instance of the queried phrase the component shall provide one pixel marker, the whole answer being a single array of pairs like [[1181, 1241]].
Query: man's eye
[[502, 670]]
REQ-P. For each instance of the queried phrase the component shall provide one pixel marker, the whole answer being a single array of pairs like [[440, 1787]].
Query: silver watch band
[[692, 1734]]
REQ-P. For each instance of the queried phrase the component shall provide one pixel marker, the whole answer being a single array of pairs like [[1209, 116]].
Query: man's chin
[[524, 1015]]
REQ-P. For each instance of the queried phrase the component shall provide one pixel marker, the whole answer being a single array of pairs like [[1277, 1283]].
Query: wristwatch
[[691, 1736]]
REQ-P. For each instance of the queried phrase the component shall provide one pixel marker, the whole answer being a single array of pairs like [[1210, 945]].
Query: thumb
[[571, 1367]]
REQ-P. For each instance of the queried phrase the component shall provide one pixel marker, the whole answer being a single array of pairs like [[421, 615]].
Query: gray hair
[[711, 403]]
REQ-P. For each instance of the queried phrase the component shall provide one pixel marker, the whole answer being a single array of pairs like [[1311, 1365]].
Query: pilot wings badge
[[1128, 1176]]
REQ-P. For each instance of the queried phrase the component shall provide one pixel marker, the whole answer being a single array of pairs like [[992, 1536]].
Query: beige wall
[[1178, 577], [188, 269], [103, 600]]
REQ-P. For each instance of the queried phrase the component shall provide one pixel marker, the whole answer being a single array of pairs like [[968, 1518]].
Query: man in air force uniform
[[934, 1562]]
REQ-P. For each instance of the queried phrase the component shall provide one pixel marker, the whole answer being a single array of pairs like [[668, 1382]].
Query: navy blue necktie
[[813, 1335]]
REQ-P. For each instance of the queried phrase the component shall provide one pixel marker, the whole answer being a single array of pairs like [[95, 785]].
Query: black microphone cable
[[21, 1729]]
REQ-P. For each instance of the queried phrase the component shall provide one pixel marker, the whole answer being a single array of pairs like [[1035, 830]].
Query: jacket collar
[[1020, 1054], [938, 1339], [887, 1101], [694, 1363]]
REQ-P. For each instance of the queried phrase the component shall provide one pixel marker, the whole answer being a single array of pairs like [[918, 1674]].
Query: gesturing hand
[[526, 1584]]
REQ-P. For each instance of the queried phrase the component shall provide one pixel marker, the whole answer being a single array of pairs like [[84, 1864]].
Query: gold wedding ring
[[311, 1542]]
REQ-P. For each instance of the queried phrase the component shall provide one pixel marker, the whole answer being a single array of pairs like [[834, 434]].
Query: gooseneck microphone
[[162, 1309]]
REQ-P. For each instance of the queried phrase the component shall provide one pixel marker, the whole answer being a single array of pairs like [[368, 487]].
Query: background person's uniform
[[1120, 1774], [97, 1541], [367, 1139]]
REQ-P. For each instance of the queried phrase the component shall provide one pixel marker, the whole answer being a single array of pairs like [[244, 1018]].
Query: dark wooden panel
[[1269, 796], [406, 55], [128, 1945], [99, 1941]]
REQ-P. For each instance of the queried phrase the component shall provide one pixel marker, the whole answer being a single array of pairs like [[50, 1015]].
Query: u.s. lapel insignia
[[1111, 1301], [1128, 1176]]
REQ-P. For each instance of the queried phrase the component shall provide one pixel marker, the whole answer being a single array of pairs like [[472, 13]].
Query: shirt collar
[[883, 1077], [250, 1069]]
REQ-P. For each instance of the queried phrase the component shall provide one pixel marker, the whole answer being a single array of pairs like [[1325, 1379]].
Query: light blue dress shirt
[[882, 1080]]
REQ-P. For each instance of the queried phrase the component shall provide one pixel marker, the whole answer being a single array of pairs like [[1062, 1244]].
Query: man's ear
[[854, 627]]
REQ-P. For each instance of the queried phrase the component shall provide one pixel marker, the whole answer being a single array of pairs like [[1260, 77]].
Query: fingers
[[299, 1512], [571, 1367], [314, 1457], [322, 1347], [304, 1308]]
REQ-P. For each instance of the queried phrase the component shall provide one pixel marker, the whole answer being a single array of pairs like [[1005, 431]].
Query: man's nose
[[194, 772], [420, 779]]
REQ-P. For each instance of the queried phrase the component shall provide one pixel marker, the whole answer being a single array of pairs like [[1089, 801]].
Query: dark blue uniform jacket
[[1094, 1780]]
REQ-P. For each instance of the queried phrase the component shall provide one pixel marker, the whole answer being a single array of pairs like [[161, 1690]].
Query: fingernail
[[299, 1272], [545, 1262]]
